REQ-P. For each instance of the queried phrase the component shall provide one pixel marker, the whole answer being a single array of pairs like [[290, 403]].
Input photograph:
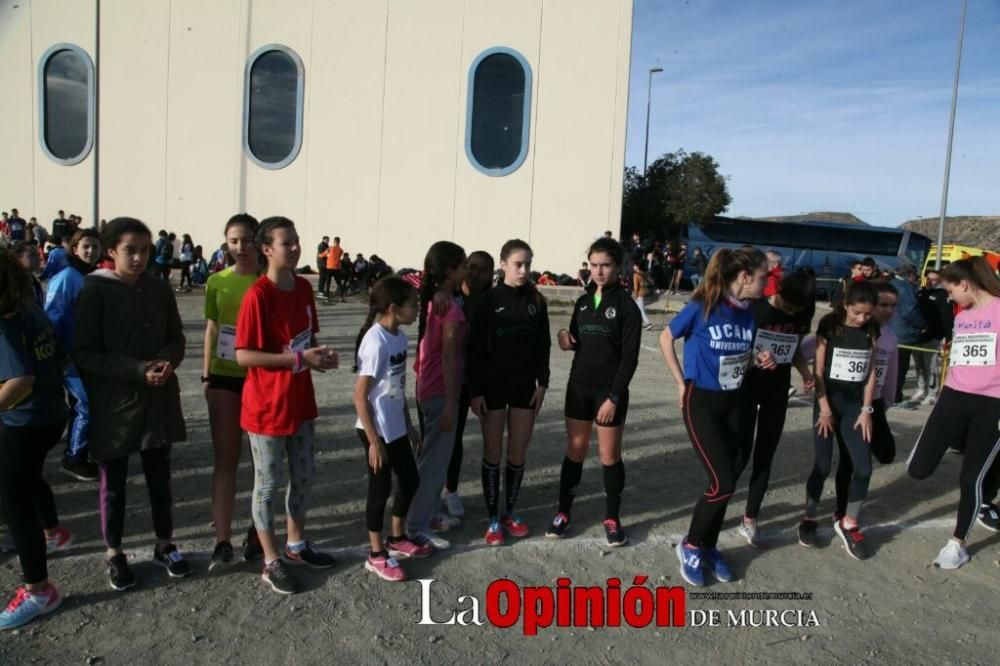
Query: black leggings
[[185, 273], [767, 413], [972, 420], [716, 422], [114, 474], [854, 450], [883, 446], [400, 459], [28, 504], [455, 464]]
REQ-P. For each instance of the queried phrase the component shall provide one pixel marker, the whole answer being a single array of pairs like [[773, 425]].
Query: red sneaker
[[514, 526], [494, 534]]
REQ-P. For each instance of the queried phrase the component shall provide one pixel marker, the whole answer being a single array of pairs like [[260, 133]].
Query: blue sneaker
[[716, 565], [25, 607], [690, 559]]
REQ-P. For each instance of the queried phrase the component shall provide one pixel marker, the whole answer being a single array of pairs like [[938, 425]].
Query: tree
[[678, 189]]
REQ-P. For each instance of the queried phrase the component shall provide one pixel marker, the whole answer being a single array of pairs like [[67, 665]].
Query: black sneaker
[[222, 556], [558, 527], [280, 578], [989, 517], [252, 550], [171, 559], [853, 540], [807, 534], [307, 555], [119, 574], [614, 533], [82, 471]]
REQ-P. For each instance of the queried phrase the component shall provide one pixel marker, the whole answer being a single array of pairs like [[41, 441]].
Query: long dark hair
[[250, 222], [486, 258], [974, 270], [265, 233], [723, 268], [15, 285], [857, 293], [443, 256], [390, 290], [517, 245]]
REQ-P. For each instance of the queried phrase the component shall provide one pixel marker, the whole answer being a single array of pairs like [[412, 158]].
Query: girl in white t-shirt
[[384, 425]]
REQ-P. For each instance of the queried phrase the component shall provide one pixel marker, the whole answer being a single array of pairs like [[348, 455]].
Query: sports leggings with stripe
[[716, 422], [962, 418]]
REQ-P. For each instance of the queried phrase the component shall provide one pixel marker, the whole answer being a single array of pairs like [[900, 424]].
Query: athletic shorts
[[583, 404], [516, 396], [234, 384]]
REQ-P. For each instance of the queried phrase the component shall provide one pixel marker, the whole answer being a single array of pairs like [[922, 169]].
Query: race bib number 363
[[974, 349], [849, 365], [781, 345]]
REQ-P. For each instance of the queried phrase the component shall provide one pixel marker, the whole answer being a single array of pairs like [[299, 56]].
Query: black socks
[[569, 480], [614, 483]]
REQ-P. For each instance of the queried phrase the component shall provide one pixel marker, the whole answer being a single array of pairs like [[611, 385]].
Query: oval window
[[273, 107], [66, 80], [499, 113]]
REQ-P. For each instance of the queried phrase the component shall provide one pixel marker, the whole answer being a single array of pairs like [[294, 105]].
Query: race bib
[[781, 345], [732, 370], [225, 346], [881, 363], [299, 344], [849, 365], [978, 349], [397, 385]]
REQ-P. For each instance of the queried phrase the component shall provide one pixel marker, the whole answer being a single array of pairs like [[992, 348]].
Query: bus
[[826, 247]]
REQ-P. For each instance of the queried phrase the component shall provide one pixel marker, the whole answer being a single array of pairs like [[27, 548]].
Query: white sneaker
[[432, 539], [952, 556], [929, 400], [453, 504], [749, 532], [918, 397], [442, 522]]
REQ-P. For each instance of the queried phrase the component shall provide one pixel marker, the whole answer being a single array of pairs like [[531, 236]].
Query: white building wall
[[382, 162]]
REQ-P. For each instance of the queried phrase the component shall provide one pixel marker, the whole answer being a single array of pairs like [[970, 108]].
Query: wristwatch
[[868, 409]]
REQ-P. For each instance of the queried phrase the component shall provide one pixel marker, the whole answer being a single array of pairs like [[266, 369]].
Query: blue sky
[[822, 105]]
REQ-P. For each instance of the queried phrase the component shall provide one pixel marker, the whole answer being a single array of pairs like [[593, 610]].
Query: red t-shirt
[[774, 277], [276, 401]]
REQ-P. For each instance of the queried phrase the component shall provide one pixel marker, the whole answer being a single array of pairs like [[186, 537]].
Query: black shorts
[[583, 404], [515, 396], [234, 384]]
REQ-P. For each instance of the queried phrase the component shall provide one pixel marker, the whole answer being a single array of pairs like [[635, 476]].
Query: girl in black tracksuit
[[604, 332], [781, 322], [508, 370]]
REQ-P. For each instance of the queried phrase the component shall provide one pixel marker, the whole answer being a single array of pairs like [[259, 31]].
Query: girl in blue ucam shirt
[[718, 330]]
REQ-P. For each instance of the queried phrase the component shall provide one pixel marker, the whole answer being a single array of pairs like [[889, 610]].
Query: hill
[[978, 231], [842, 218]]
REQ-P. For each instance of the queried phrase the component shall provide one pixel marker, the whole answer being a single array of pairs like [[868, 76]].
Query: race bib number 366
[[974, 349], [849, 365]]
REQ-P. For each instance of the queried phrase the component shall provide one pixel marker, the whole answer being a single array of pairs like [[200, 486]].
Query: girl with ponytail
[[968, 410], [438, 368], [718, 327]]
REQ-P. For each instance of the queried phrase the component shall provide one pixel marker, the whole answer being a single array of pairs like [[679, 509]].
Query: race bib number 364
[[974, 349]]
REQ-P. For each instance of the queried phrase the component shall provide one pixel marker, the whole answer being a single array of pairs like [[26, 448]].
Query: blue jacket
[[57, 261], [60, 304], [908, 323]]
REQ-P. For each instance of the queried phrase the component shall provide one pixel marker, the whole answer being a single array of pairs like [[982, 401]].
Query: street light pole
[[649, 91], [951, 135]]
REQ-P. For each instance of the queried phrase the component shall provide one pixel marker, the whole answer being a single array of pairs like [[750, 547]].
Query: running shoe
[[119, 573], [222, 556], [443, 522], [385, 567], [453, 504], [494, 534], [791, 391], [437, 542], [614, 534], [61, 540], [647, 327], [252, 550], [807, 534], [748, 530], [952, 556], [279, 577], [309, 556], [690, 559], [82, 471], [918, 397], [404, 548], [854, 540], [989, 517], [716, 565], [558, 527], [171, 559], [514, 526], [929, 400], [25, 607]]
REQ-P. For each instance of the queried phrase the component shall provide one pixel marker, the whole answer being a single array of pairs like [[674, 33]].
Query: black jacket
[[607, 340], [938, 312], [508, 340]]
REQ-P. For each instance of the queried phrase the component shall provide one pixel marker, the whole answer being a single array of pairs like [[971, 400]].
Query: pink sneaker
[[386, 568], [61, 540], [403, 548], [514, 526]]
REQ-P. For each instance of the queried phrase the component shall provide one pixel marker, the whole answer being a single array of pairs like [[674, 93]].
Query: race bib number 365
[[974, 349], [732, 370], [849, 365]]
